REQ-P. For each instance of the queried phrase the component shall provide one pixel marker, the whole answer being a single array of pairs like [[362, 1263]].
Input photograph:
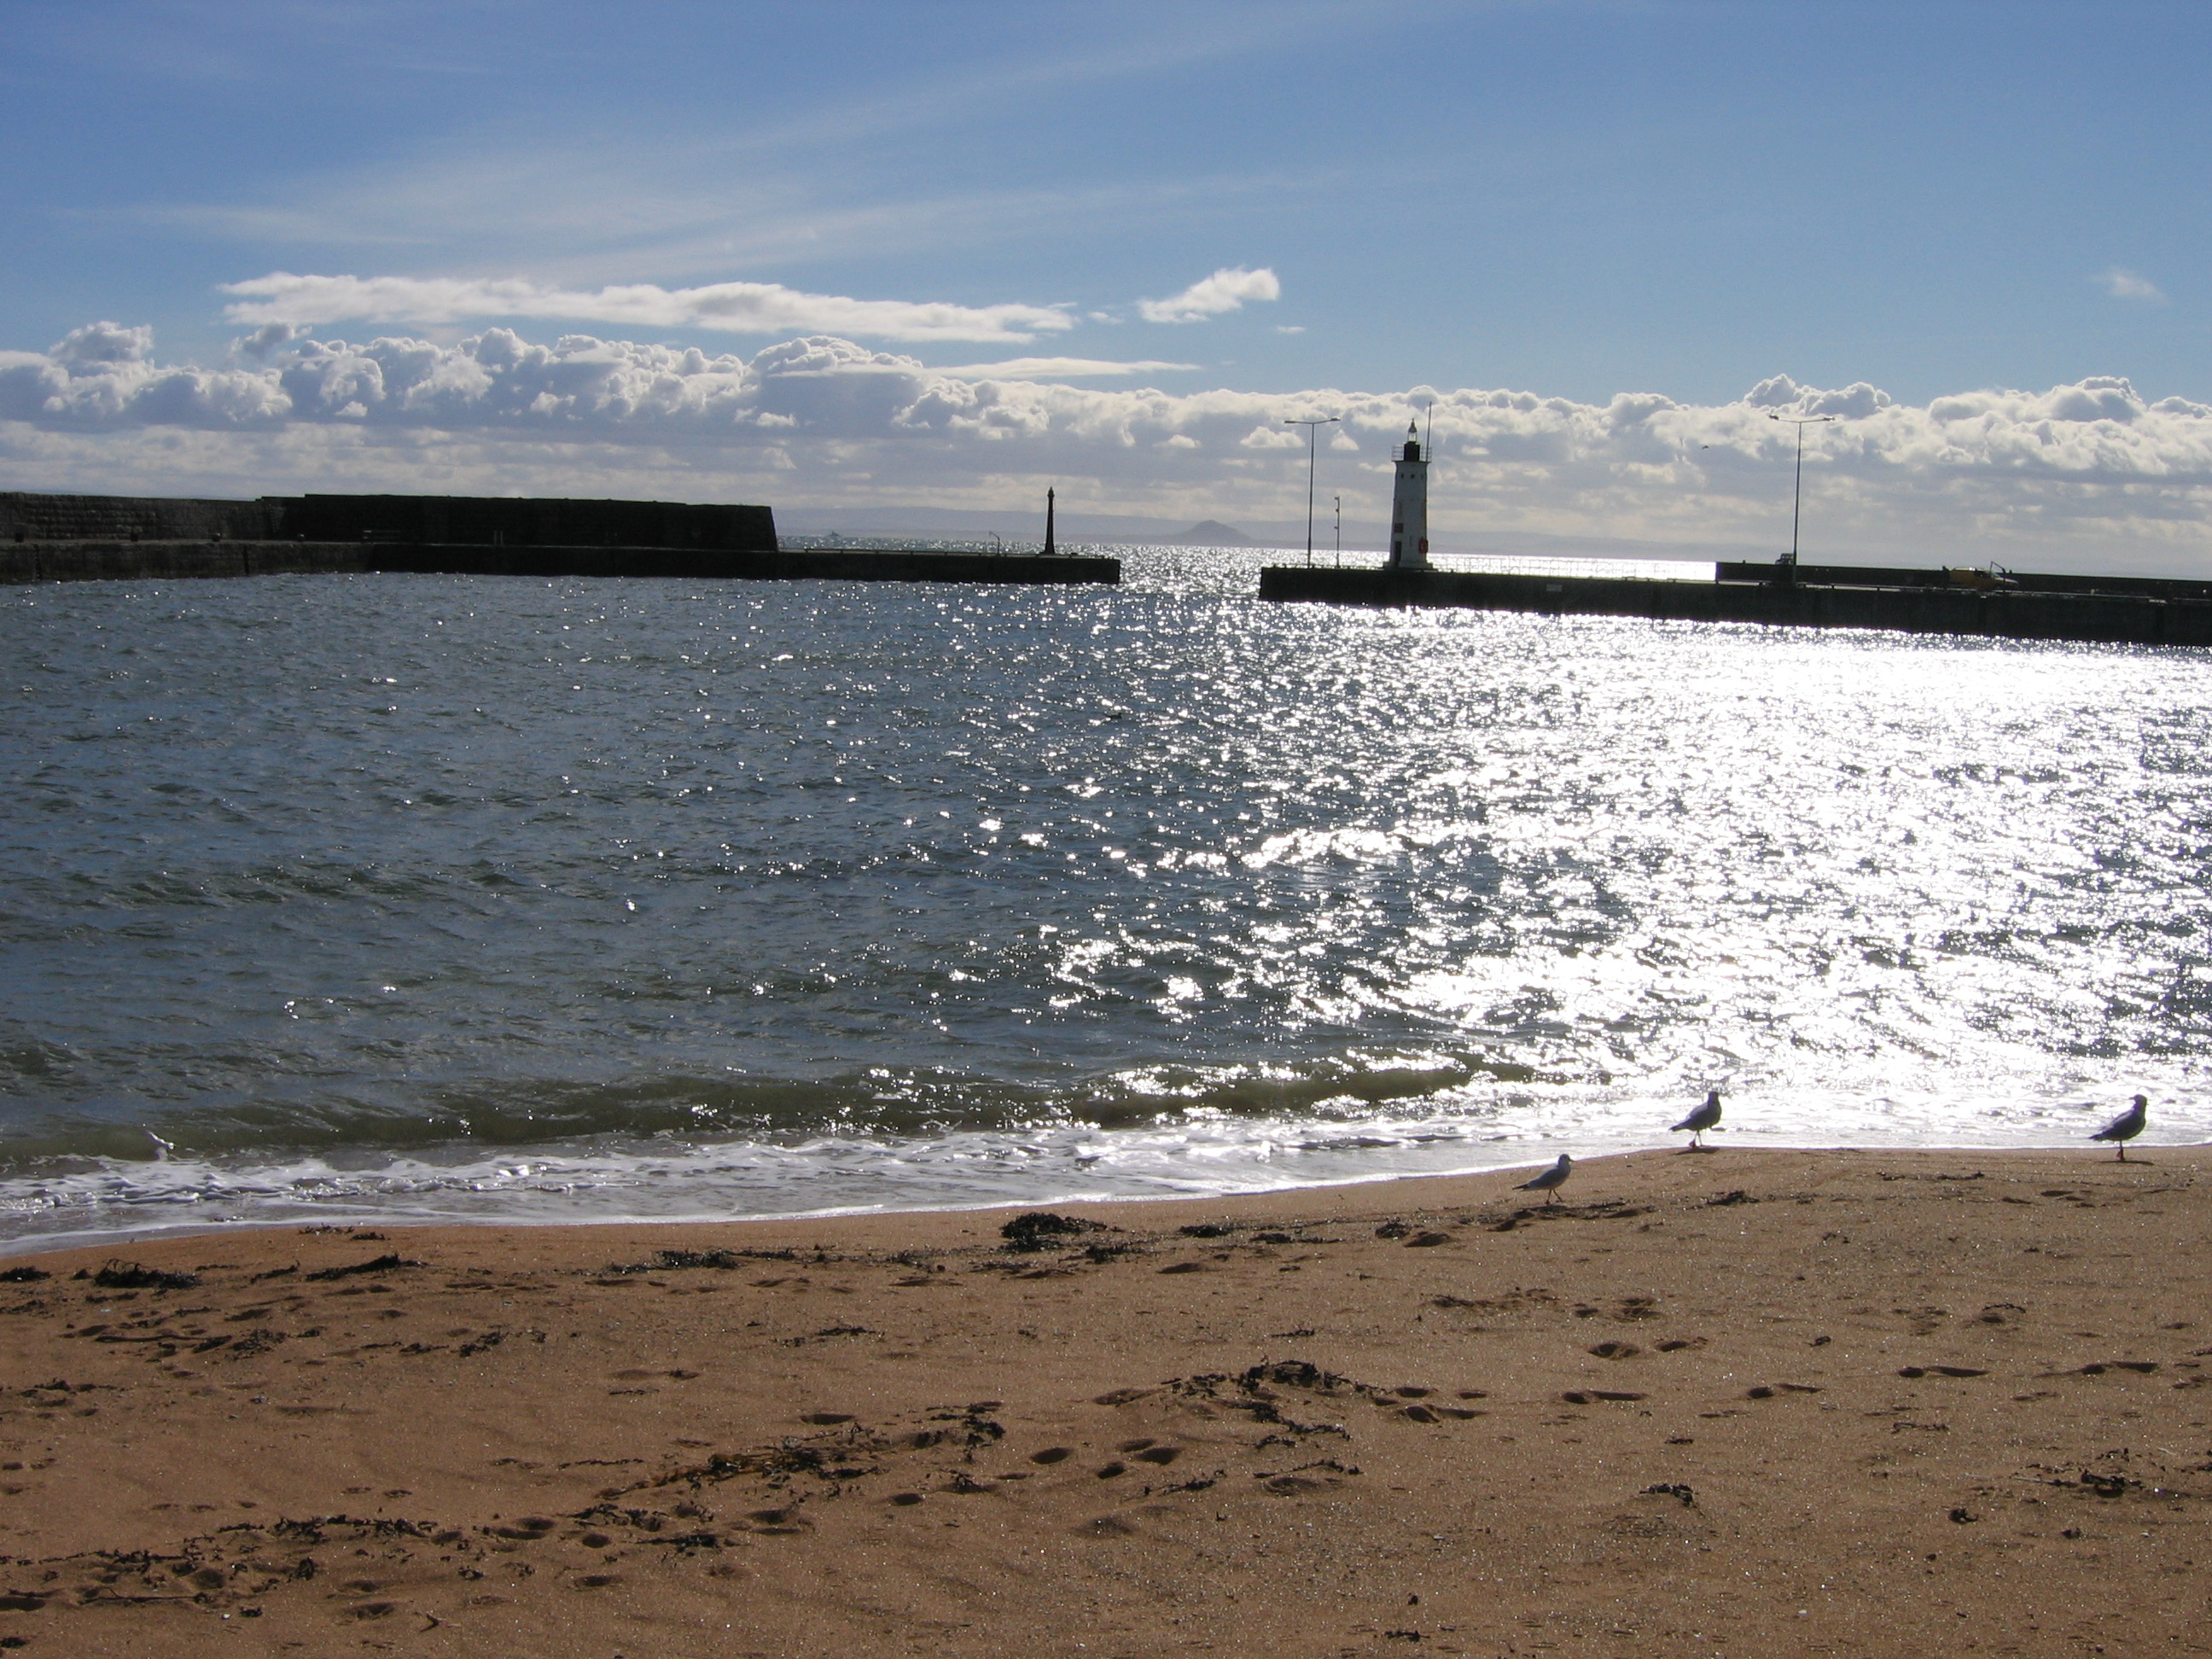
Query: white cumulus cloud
[[2124, 284], [306, 301], [104, 343], [1226, 290]]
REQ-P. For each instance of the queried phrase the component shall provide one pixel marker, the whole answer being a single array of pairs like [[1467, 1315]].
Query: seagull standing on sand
[[1705, 1117], [2126, 1126], [1551, 1181]]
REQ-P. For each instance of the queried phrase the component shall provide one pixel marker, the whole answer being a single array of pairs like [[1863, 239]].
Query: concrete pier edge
[[25, 562], [2019, 613]]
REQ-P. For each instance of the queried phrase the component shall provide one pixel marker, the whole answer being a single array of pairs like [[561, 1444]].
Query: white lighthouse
[[1409, 506]]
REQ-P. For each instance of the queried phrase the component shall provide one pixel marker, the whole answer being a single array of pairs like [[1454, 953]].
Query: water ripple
[[920, 895]]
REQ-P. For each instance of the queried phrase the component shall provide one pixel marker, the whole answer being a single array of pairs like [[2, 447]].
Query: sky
[[867, 259]]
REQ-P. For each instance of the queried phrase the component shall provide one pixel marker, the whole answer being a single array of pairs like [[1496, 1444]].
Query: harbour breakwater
[[45, 539], [460, 520], [62, 561], [2123, 611]]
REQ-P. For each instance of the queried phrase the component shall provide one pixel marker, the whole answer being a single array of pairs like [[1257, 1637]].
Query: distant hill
[[1210, 533]]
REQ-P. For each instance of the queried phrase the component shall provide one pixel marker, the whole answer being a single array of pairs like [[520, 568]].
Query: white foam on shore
[[1189, 1156]]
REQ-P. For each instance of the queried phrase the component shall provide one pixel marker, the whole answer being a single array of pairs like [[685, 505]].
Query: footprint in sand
[[1052, 1455]]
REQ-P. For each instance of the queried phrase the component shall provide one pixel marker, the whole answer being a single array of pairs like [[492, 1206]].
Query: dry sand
[[1771, 1403]]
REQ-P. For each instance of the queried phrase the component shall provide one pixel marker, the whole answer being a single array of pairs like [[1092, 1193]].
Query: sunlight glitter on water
[[367, 892]]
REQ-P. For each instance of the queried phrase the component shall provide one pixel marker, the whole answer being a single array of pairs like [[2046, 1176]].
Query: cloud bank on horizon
[[2091, 470]]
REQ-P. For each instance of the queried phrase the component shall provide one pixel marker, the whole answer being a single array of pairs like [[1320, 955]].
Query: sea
[[390, 898]]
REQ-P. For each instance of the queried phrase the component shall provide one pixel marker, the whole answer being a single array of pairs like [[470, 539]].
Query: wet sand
[[1782, 1402]]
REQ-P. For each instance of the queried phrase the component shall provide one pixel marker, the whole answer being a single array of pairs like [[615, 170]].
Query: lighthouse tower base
[[1409, 508]]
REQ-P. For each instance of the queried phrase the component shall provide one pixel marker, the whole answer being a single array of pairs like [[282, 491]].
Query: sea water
[[408, 898]]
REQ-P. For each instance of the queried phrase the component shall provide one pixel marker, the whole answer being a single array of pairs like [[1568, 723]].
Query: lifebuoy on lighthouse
[[1409, 506]]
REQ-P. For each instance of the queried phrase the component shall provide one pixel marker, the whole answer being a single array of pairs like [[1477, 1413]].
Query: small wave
[[1186, 1152]]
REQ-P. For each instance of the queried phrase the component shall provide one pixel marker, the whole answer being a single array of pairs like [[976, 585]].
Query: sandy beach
[[1831, 1403]]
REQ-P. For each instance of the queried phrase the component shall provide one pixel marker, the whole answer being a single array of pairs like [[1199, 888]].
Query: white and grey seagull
[[1705, 1117], [2126, 1126], [1551, 1181]]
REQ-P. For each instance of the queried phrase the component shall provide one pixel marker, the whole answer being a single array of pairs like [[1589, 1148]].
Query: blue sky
[[1573, 200]]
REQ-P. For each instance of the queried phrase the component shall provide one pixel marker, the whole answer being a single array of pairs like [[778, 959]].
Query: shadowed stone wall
[[460, 520]]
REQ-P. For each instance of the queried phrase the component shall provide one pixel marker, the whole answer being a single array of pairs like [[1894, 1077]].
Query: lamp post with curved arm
[[1313, 425], [1797, 498]]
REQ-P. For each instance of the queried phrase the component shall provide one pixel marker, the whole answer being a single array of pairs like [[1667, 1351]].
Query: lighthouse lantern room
[[1409, 506]]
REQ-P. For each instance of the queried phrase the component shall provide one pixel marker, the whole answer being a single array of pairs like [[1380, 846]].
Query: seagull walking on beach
[[1551, 1181], [1707, 1116], [2126, 1126]]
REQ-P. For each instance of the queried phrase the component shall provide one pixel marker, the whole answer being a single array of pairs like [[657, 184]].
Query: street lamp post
[[1797, 497], [1313, 425], [1339, 533]]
